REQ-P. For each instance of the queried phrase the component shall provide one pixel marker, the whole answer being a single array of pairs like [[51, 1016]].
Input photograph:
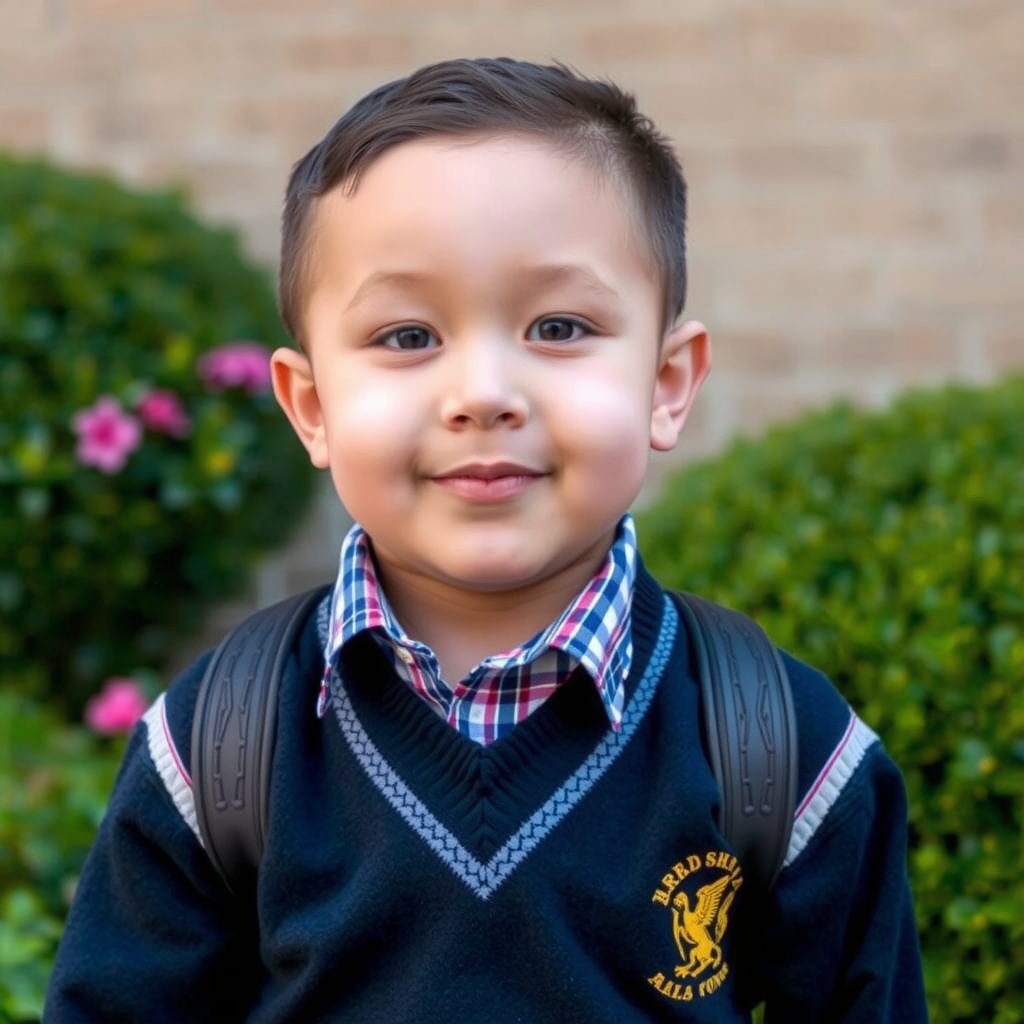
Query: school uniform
[[534, 843]]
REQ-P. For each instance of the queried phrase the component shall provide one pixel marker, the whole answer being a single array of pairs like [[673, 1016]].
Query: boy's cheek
[[383, 408], [606, 414]]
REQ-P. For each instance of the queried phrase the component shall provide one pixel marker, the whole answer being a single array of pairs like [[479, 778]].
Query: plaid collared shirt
[[593, 631]]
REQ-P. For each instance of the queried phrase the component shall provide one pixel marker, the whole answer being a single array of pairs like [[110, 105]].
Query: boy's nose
[[484, 410], [482, 392]]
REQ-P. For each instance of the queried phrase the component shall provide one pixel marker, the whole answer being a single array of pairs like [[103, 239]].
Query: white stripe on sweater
[[169, 765], [825, 791]]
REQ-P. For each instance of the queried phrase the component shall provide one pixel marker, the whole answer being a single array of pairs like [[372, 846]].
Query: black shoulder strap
[[750, 726], [233, 732]]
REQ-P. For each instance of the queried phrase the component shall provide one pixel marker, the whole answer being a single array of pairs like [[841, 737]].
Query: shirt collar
[[594, 629]]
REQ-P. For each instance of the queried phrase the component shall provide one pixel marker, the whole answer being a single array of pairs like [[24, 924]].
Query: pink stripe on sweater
[[823, 774], [171, 747]]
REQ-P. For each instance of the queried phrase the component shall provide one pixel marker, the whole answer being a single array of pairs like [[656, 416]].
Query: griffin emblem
[[699, 930]]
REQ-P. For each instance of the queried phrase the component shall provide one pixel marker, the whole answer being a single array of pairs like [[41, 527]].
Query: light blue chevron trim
[[484, 879]]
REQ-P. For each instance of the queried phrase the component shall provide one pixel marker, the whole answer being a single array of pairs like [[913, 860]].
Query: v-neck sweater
[[564, 873]]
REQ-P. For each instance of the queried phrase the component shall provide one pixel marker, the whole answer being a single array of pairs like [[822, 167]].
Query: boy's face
[[484, 378]]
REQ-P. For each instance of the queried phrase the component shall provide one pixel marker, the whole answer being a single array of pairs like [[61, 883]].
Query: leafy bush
[[54, 784], [143, 461], [888, 549]]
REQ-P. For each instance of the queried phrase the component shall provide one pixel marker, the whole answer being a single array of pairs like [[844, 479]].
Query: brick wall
[[856, 168]]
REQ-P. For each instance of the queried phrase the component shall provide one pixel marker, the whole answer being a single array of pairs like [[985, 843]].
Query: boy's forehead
[[446, 191], [447, 163]]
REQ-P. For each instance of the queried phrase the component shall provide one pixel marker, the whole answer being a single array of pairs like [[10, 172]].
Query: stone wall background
[[856, 168]]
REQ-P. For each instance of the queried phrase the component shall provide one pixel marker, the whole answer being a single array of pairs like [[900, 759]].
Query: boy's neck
[[462, 627]]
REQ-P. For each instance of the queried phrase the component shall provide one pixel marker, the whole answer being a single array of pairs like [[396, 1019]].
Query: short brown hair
[[595, 120]]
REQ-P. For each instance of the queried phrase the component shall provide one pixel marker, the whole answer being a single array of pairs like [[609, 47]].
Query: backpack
[[748, 720]]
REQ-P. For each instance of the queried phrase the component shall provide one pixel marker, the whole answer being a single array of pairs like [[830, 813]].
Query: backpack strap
[[750, 729], [233, 732]]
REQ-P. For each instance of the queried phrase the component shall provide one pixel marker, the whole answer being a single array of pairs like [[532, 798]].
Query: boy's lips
[[488, 481]]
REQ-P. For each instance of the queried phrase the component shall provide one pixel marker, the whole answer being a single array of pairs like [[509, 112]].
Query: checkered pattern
[[593, 632]]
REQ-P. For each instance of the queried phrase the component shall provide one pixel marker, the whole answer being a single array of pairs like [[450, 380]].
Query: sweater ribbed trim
[[484, 878], [827, 787], [169, 765]]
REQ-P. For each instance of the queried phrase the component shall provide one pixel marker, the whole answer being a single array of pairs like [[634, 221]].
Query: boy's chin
[[494, 562], [491, 578], [493, 574]]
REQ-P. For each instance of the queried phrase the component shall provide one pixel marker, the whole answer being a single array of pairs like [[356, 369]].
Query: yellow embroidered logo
[[698, 892]]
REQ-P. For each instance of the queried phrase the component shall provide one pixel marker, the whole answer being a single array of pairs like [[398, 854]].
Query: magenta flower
[[240, 364], [162, 411], [117, 707], [107, 435]]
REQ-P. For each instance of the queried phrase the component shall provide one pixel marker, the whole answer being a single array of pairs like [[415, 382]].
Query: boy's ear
[[683, 363], [295, 390]]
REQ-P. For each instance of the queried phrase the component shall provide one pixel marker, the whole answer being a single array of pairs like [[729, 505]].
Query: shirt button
[[405, 655]]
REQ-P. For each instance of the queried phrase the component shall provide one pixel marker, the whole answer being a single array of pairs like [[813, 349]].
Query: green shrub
[[888, 549], [54, 784], [143, 462]]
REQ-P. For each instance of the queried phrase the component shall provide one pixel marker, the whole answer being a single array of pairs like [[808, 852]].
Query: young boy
[[489, 800]]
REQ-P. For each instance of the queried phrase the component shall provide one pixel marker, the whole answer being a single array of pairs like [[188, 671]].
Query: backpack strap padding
[[750, 727], [233, 731]]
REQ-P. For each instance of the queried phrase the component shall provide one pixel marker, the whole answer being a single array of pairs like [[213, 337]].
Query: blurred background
[[856, 176]]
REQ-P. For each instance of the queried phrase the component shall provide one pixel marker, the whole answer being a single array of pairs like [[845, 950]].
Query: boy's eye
[[557, 328], [407, 339]]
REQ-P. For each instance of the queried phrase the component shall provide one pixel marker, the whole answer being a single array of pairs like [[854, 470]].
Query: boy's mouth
[[488, 481]]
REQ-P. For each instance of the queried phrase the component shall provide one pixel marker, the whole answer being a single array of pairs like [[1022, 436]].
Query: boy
[[489, 798]]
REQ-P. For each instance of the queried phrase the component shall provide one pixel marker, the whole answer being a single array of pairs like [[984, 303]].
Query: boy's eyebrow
[[546, 274], [569, 273], [384, 279]]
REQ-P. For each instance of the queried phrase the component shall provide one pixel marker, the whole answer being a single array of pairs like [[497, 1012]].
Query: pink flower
[[162, 411], [240, 364], [107, 435], [117, 707]]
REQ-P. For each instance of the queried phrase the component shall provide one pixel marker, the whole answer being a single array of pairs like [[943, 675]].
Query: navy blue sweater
[[564, 873]]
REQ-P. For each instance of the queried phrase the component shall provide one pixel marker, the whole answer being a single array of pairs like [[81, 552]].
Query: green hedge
[[888, 549], [54, 784], [143, 462]]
